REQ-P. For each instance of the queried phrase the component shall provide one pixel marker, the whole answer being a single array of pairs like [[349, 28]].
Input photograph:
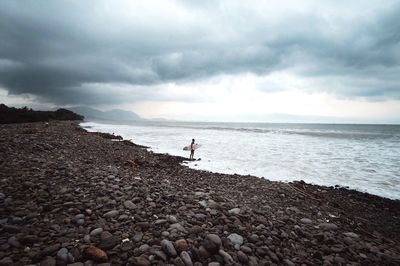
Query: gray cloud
[[59, 50]]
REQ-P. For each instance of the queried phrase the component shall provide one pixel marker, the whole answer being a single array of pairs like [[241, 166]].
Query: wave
[[361, 133]]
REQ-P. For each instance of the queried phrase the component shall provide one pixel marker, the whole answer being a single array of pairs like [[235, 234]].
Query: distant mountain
[[10, 115], [116, 115]]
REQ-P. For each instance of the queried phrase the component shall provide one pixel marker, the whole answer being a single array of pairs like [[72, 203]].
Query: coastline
[[77, 182]]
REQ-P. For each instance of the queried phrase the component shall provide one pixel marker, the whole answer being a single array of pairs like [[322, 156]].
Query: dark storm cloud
[[73, 52]]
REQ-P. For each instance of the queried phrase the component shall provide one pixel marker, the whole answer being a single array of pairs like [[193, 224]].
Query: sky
[[256, 61]]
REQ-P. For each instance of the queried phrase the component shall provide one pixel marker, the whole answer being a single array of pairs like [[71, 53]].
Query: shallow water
[[362, 157]]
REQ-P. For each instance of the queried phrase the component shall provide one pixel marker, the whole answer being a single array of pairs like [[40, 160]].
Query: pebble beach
[[70, 197]]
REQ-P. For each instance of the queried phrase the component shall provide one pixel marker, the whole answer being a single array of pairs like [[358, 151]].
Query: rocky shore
[[69, 197]]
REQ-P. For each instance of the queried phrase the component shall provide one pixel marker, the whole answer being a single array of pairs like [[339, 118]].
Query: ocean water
[[362, 157]]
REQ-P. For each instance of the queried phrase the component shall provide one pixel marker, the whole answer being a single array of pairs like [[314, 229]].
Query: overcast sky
[[206, 60]]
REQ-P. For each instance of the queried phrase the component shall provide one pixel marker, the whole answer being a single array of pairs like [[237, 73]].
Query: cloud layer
[[107, 52]]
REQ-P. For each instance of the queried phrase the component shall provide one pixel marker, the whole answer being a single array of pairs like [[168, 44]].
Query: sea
[[361, 157]]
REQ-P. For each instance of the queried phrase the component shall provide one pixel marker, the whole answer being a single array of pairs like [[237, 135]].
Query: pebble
[[111, 214], [172, 219], [212, 243], [306, 221], [144, 248], [351, 234], [237, 240], [181, 245], [96, 231], [95, 254], [169, 248], [242, 257], [140, 261], [129, 205], [246, 249], [328, 226], [155, 208], [234, 211], [227, 258], [187, 260]]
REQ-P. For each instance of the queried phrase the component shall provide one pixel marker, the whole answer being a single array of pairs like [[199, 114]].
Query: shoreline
[[80, 181]]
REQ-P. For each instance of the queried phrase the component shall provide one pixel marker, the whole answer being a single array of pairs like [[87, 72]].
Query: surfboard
[[196, 146]]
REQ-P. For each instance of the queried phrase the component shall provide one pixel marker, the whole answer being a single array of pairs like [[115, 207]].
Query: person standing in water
[[192, 150]]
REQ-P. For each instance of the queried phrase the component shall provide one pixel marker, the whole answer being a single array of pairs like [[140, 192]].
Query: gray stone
[[237, 240], [78, 264], [140, 261], [129, 205], [169, 248], [227, 258], [172, 219], [306, 221], [328, 226], [187, 260], [137, 236], [62, 254], [144, 248], [246, 249], [212, 243], [111, 214], [234, 211], [178, 227], [96, 231], [288, 262], [242, 257], [351, 234]]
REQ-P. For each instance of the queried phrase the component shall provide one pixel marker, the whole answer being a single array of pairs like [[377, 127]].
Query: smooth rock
[[237, 240], [172, 219], [351, 234], [187, 260], [288, 262], [181, 245], [212, 243], [328, 226], [306, 221], [96, 231], [169, 248], [234, 211], [140, 261], [242, 257], [95, 254], [129, 205], [227, 258]]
